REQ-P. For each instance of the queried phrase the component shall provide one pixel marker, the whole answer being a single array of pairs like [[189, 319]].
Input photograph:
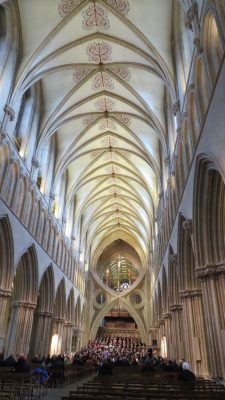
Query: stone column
[[67, 337], [57, 328], [20, 326], [160, 332], [213, 289], [194, 331], [41, 340], [167, 330], [4, 304], [177, 345]]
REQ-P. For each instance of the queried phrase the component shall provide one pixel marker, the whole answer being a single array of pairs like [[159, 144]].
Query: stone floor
[[57, 393]]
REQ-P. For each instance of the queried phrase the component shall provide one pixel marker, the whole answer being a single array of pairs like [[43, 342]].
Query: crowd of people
[[102, 355]]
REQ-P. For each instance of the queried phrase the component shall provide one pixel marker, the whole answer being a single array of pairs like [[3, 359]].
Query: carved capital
[[64, 220], [59, 319], [176, 307], [167, 316], [22, 304], [5, 293], [188, 226], [152, 330], [52, 196], [10, 112], [68, 324], [190, 294], [46, 314], [161, 195], [210, 271]]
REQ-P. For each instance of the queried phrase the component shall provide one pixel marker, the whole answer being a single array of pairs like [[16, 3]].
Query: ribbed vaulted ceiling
[[104, 66]]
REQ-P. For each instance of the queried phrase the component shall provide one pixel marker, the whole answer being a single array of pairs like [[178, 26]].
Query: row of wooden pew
[[129, 384], [21, 386], [25, 386]]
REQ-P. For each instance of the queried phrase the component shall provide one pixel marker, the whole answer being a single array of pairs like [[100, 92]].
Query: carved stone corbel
[[176, 107], [10, 112], [173, 258], [191, 16], [188, 226]]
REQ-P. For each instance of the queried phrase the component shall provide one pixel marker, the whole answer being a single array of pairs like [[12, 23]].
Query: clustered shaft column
[[4, 303], [67, 337], [41, 336], [194, 331], [20, 327], [213, 288], [57, 329], [167, 330], [177, 345]]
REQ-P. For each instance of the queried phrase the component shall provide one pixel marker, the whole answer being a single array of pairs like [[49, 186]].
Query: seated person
[[21, 365], [10, 361], [185, 374], [43, 375], [36, 359], [105, 368]]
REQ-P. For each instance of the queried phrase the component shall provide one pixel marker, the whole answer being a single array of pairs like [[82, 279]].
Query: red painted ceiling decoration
[[125, 153], [109, 141], [121, 71], [102, 81], [114, 190], [95, 153], [95, 17], [99, 52], [67, 6], [104, 104], [107, 123], [112, 169], [89, 120], [121, 6], [124, 119], [110, 156], [81, 72]]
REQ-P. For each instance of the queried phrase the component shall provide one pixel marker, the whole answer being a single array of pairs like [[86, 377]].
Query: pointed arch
[[125, 304], [186, 258], [212, 45], [46, 291], [165, 300], [60, 301], [208, 213], [25, 284], [173, 279], [6, 254], [78, 312], [70, 307]]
